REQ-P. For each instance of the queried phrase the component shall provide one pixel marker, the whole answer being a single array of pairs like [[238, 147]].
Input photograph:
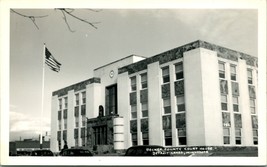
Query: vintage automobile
[[41, 153], [75, 152], [146, 150]]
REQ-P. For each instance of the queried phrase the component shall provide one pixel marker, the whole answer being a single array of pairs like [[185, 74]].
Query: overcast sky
[[120, 33]]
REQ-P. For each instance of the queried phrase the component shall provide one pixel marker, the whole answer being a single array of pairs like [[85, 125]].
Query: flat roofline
[[177, 53], [132, 55]]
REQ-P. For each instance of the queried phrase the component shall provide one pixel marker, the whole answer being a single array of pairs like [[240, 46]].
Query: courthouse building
[[198, 94]]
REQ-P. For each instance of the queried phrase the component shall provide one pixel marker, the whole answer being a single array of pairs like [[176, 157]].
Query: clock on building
[[111, 74]]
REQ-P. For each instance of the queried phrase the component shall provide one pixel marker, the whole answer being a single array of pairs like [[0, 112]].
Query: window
[[134, 139], [60, 104], [83, 141], [255, 136], [83, 120], [167, 105], [84, 97], [235, 104], [221, 70], [250, 76], [165, 74], [145, 138], [76, 122], [144, 81], [180, 103], [133, 111], [252, 106], [66, 102], [144, 110], [168, 137], [111, 100], [233, 72], [224, 102], [226, 135], [76, 142], [59, 124], [133, 83], [65, 123], [77, 99], [182, 136], [238, 137], [179, 71]]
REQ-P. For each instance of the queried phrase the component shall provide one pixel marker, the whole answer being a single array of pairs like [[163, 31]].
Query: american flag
[[52, 63]]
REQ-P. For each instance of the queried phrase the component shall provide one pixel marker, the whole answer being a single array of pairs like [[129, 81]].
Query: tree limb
[[78, 18], [32, 18]]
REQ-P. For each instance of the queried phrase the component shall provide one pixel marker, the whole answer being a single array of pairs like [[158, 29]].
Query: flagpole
[[42, 111]]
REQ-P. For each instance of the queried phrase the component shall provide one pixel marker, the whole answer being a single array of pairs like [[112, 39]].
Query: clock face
[[111, 74]]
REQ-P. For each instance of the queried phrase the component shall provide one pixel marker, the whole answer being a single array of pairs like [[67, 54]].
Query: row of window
[[238, 136], [233, 72], [77, 100]]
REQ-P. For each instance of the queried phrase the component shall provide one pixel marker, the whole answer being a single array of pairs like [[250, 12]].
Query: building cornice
[[177, 53], [76, 87]]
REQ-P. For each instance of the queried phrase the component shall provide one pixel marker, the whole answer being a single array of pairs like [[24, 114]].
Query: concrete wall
[[247, 135], [54, 124], [93, 99], [154, 106], [70, 120], [124, 109], [202, 98]]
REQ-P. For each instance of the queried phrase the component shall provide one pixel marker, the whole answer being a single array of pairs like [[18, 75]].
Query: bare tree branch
[[65, 12], [65, 19], [78, 18], [32, 18]]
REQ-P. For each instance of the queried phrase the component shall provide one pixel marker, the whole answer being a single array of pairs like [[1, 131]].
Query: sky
[[120, 33]]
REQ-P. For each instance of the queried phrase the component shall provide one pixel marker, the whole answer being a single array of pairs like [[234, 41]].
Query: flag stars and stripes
[[52, 63]]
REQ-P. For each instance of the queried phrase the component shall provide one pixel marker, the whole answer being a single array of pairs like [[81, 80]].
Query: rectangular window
[[83, 141], [182, 136], [179, 71], [65, 123], [224, 102], [134, 139], [83, 120], [133, 111], [144, 81], [66, 102], [76, 142], [165, 75], [233, 72], [235, 104], [60, 104], [226, 135], [59, 124], [76, 122], [84, 97], [250, 77], [168, 137], [145, 138], [180, 103], [77, 99], [167, 106], [133, 83], [238, 137], [144, 110], [221, 70], [255, 136], [252, 106]]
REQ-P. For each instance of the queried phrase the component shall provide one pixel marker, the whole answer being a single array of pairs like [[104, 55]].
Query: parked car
[[75, 152], [41, 153], [146, 150]]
